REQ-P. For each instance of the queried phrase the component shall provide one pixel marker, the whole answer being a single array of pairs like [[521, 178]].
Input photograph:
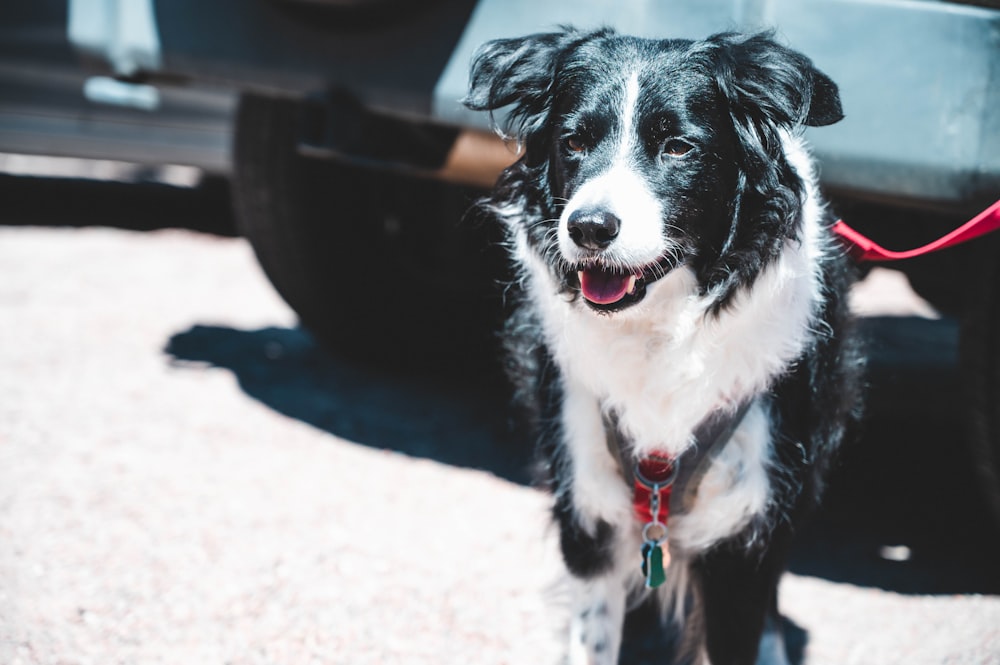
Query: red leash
[[865, 249]]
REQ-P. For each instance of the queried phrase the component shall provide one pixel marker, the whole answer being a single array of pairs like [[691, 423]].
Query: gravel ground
[[166, 498]]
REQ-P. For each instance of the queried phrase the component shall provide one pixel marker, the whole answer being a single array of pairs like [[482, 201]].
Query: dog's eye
[[676, 148], [576, 144]]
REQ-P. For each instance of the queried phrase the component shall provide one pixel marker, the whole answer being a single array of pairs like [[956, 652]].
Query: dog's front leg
[[593, 510], [738, 589], [597, 586]]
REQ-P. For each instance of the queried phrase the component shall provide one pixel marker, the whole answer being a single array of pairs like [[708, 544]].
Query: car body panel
[[919, 79]]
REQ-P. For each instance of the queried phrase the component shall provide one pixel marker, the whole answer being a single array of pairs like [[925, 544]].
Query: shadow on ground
[[458, 420], [902, 513]]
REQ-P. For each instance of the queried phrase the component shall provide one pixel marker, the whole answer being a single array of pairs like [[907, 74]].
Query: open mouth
[[610, 290]]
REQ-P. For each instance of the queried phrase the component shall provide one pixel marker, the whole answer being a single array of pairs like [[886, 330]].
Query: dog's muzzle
[[603, 282]]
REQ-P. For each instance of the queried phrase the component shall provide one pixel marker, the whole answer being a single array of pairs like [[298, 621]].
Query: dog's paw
[[595, 635]]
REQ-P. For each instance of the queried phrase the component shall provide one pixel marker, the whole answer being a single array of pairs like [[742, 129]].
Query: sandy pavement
[[153, 511]]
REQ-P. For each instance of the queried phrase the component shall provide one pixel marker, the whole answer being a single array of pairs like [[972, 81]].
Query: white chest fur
[[665, 364]]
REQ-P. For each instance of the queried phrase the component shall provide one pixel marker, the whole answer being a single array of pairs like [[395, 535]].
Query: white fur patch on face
[[623, 191], [630, 103]]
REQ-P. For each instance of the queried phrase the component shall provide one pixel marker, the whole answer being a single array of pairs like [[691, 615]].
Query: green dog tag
[[652, 565]]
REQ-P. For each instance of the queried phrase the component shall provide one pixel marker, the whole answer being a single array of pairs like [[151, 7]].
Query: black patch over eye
[[676, 148]]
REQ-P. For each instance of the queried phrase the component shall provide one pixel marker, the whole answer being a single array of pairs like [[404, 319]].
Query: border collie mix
[[680, 342]]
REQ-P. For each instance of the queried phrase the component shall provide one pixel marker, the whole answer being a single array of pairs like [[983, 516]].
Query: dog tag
[[653, 564]]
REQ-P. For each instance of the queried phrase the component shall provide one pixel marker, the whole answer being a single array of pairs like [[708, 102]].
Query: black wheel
[[377, 266], [981, 366]]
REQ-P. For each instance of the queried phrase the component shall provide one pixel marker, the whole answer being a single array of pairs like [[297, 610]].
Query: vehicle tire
[[981, 366], [376, 265]]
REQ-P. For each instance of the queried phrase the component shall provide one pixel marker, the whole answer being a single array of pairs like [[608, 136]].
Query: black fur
[[732, 203]]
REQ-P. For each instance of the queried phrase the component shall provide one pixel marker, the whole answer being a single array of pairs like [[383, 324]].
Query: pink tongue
[[604, 288]]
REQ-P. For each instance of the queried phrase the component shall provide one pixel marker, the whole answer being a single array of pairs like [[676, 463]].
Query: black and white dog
[[681, 315]]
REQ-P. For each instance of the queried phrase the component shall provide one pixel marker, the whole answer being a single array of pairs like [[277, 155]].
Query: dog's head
[[642, 155]]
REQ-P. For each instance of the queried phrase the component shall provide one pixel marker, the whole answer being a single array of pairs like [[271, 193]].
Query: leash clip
[[655, 554]]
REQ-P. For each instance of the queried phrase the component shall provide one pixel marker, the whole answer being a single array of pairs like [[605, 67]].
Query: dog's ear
[[518, 71], [767, 88], [824, 105], [505, 71], [759, 77]]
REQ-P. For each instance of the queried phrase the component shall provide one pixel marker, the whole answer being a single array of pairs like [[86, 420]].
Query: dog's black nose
[[593, 229]]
